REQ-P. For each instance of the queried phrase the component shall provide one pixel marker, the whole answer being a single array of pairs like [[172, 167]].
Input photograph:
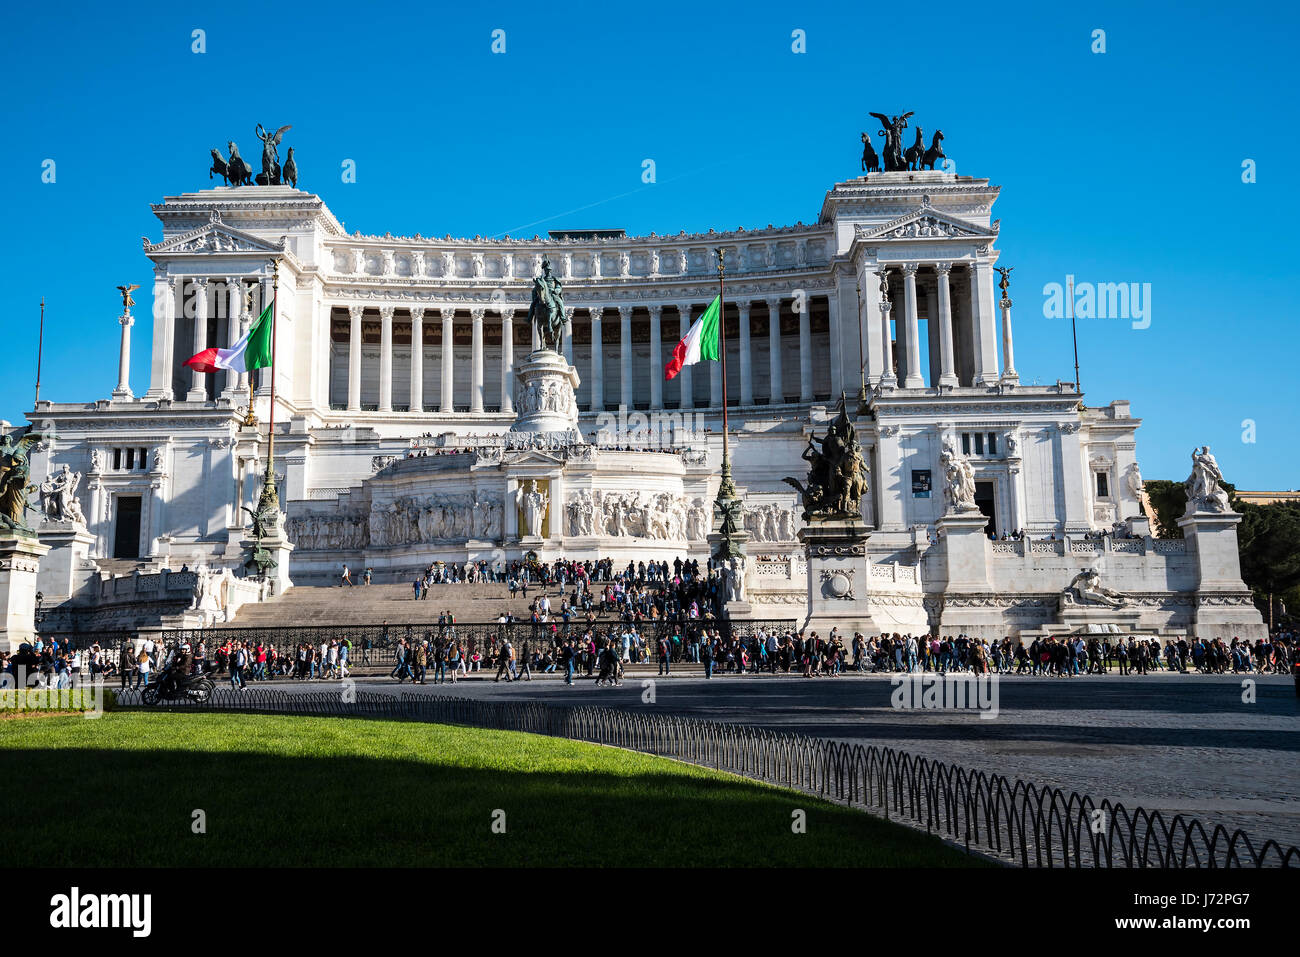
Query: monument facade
[[468, 398]]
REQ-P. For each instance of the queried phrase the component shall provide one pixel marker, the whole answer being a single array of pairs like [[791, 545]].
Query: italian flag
[[252, 351], [700, 343]]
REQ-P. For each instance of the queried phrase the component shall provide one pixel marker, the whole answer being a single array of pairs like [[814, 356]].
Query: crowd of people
[[600, 651]]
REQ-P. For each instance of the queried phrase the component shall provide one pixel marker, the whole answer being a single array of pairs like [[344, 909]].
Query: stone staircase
[[396, 604]]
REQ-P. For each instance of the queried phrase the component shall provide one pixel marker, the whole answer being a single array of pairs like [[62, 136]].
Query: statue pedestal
[[20, 562], [277, 544], [1099, 619], [67, 567], [1224, 607], [965, 567], [966, 550], [546, 404], [838, 573]]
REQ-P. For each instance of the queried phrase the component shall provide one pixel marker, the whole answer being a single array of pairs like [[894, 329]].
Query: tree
[[1268, 540], [1169, 501]]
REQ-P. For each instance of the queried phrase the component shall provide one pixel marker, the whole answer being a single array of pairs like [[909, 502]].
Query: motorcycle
[[197, 688]]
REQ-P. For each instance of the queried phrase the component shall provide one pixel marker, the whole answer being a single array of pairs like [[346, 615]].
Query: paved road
[[1173, 742]]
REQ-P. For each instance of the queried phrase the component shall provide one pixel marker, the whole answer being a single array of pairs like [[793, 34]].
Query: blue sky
[[1124, 166]]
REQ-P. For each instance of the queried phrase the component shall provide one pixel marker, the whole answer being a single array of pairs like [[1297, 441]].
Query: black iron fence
[[1010, 820]]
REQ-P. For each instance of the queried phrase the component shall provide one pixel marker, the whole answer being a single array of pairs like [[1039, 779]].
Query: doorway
[[986, 499], [126, 528]]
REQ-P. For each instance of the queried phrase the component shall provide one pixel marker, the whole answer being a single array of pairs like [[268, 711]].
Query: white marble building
[[386, 343]]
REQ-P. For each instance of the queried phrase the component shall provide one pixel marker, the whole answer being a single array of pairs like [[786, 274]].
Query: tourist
[[347, 576]]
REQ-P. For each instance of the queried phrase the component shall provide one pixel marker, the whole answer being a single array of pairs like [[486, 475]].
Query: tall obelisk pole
[[728, 540], [726, 487], [270, 499]]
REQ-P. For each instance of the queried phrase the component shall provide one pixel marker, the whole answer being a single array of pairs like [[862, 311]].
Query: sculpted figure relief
[[532, 502], [771, 523], [837, 472], [959, 484], [14, 472], [1205, 491], [58, 497], [1086, 589], [546, 312]]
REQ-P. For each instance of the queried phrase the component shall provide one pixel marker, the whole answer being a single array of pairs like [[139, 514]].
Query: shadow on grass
[[91, 807]]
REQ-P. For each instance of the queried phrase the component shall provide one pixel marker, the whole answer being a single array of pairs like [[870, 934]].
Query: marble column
[[386, 358], [835, 337], [268, 293], [625, 357], [537, 338], [354, 358], [656, 358], [234, 306], [476, 361], [123, 390], [508, 360], [164, 334], [888, 379], [912, 379], [805, 350], [947, 372], [984, 324], [245, 322], [446, 403], [684, 377], [1008, 349], [416, 402], [746, 365], [198, 385], [776, 390], [597, 363], [568, 338]]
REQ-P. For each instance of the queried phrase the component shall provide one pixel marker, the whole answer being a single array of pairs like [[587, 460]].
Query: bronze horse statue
[[915, 153], [870, 161], [935, 152], [237, 171], [218, 167]]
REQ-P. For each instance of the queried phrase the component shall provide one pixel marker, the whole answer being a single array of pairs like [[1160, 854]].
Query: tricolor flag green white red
[[700, 343], [252, 351]]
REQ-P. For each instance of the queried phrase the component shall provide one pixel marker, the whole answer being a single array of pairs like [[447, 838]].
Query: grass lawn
[[291, 791]]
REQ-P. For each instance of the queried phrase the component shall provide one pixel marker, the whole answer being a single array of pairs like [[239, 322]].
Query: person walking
[[420, 658], [506, 660], [126, 662], [347, 577], [238, 662]]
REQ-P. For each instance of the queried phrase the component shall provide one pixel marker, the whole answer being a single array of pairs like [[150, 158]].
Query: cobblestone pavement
[[1177, 743]]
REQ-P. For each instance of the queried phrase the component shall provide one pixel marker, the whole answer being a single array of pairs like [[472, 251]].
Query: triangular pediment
[[212, 237], [925, 222]]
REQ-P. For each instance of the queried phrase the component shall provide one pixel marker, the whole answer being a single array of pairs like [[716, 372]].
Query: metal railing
[[1013, 821]]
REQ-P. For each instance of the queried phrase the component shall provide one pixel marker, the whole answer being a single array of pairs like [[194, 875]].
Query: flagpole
[[722, 343], [40, 344], [270, 499]]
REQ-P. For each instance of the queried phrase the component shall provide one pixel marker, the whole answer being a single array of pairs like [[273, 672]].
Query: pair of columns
[[776, 394], [168, 293], [983, 357], [448, 316]]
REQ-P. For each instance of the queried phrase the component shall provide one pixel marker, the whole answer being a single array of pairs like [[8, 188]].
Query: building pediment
[[926, 223], [212, 237]]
